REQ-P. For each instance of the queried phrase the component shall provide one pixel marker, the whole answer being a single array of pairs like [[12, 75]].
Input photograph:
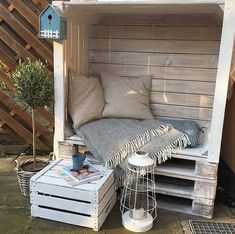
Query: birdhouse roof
[[55, 9]]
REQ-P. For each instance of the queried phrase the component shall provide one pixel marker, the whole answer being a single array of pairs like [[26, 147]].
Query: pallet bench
[[186, 49]]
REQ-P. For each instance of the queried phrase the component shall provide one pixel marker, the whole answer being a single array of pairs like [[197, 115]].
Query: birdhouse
[[52, 23]]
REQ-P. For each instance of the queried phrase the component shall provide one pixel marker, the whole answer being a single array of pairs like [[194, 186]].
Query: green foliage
[[3, 154], [2, 65], [34, 84]]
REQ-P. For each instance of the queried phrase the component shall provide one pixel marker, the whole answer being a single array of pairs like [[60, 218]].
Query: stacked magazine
[[87, 174]]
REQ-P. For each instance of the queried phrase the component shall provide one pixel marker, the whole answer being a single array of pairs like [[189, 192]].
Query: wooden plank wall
[[180, 52], [19, 40]]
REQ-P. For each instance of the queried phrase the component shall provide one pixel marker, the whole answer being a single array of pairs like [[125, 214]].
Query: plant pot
[[25, 171]]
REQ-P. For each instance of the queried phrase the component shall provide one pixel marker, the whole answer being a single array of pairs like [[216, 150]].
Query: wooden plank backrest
[[181, 56]]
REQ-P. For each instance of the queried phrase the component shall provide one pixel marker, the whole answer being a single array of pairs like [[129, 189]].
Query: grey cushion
[[126, 97], [86, 100], [191, 128]]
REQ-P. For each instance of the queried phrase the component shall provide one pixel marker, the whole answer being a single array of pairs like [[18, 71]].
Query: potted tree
[[34, 88]]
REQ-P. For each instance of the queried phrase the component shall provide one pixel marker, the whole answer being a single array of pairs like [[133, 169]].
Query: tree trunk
[[34, 143]]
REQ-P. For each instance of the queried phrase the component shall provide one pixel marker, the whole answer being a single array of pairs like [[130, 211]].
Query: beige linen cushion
[[126, 97], [86, 100]]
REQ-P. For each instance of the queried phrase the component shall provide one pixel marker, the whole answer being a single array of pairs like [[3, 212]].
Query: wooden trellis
[[19, 40]]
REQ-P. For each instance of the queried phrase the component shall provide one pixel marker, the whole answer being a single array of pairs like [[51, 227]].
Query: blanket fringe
[[158, 157], [136, 144], [166, 153]]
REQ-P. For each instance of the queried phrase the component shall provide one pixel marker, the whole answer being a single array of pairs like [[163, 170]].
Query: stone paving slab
[[167, 223], [7, 165], [10, 195], [13, 221], [15, 214]]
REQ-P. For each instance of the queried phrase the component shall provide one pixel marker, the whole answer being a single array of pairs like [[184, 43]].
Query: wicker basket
[[24, 176]]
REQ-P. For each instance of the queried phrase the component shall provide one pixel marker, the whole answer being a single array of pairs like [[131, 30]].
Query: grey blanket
[[113, 140]]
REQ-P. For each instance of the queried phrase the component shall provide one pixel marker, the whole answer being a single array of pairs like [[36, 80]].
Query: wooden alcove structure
[[179, 43]]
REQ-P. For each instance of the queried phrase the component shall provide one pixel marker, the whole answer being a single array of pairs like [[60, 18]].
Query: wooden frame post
[[59, 89], [222, 79], [59, 94]]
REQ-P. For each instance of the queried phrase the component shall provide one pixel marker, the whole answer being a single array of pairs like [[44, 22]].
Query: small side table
[[85, 205]]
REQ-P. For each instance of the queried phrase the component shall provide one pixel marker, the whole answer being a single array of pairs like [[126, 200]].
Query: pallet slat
[[184, 206], [162, 20], [186, 87], [194, 192], [185, 170], [167, 73], [155, 59], [175, 190], [181, 112], [156, 32], [181, 99], [164, 46]]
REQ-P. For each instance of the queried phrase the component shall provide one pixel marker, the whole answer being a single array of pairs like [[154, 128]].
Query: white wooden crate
[[85, 205]]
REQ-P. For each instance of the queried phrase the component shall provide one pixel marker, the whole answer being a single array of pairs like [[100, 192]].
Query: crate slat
[[63, 204], [105, 212], [106, 198], [62, 216], [67, 192], [75, 219]]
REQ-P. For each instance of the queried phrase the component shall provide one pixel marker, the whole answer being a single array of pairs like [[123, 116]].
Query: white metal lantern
[[138, 203]]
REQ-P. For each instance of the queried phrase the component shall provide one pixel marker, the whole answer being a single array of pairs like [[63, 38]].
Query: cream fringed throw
[[113, 140]]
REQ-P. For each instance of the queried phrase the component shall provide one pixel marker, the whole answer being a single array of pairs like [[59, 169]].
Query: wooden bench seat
[[200, 151]]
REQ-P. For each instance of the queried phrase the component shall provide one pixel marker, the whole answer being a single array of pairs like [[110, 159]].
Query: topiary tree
[[34, 88]]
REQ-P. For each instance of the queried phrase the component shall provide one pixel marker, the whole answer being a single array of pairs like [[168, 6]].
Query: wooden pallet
[[187, 186], [66, 150], [185, 206], [188, 169]]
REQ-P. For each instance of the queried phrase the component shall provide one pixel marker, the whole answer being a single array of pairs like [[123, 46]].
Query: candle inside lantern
[[138, 214], [138, 203]]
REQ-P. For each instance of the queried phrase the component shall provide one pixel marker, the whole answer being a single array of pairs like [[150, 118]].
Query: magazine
[[87, 174]]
